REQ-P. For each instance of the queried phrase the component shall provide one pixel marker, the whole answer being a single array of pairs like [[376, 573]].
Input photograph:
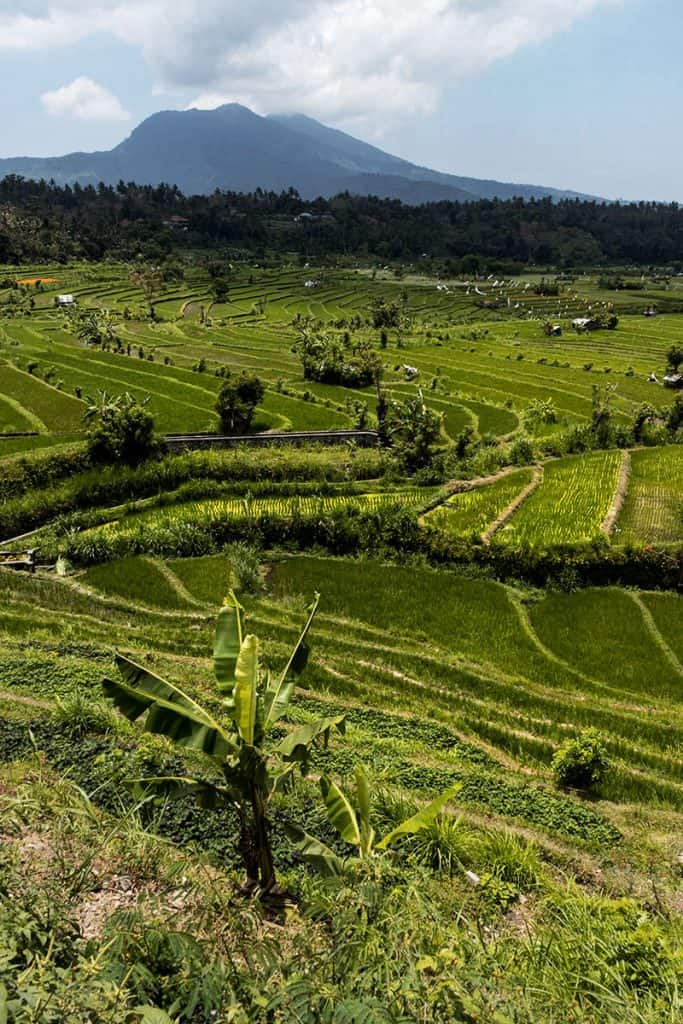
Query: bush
[[123, 430], [237, 401], [581, 763]]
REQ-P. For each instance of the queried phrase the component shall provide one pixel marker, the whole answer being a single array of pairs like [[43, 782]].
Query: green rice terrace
[[334, 733]]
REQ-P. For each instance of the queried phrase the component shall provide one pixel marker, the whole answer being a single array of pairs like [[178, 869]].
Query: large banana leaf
[[314, 852], [279, 694], [176, 786], [149, 688], [227, 644], [170, 711], [363, 799], [296, 744], [423, 818], [340, 812], [246, 688], [180, 725]]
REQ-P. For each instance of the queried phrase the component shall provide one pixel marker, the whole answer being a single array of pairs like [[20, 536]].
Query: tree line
[[44, 221]]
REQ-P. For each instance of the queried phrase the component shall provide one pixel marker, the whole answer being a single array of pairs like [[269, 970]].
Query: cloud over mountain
[[344, 59], [84, 100]]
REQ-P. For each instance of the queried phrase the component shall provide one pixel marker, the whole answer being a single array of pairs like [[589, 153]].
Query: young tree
[[601, 419], [414, 430], [674, 357], [237, 401], [122, 430], [236, 740], [149, 280]]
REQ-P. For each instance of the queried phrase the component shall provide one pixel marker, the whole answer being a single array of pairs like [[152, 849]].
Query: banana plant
[[234, 740], [353, 825]]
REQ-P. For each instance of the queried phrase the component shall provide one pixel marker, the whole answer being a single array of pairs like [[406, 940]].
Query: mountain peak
[[233, 148]]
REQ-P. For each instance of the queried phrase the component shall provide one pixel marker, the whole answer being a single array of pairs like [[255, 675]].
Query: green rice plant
[[570, 504], [35, 405], [472, 511], [653, 509], [137, 579], [202, 514], [666, 613], [602, 634]]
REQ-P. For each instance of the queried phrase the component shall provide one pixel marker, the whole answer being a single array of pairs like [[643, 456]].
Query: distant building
[[64, 300], [584, 323], [176, 222], [673, 380], [313, 283]]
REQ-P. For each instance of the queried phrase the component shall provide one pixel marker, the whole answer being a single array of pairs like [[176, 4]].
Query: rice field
[[508, 680], [201, 514], [570, 503], [653, 509], [478, 367], [473, 511]]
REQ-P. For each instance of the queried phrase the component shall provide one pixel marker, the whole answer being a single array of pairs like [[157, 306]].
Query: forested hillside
[[40, 221]]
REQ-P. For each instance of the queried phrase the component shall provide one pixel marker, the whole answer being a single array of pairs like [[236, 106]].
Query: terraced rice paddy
[[508, 680], [488, 364], [653, 509], [474, 511], [570, 503], [201, 514]]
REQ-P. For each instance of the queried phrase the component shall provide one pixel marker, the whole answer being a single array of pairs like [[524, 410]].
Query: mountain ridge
[[234, 149]]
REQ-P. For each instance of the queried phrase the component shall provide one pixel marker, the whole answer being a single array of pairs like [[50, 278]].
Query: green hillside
[[458, 795]]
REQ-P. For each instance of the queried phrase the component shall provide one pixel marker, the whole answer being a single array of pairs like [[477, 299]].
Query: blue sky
[[579, 94]]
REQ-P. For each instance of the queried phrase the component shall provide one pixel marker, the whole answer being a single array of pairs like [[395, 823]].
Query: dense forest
[[40, 221]]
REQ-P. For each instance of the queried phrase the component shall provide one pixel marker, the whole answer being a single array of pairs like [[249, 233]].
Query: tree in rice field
[[237, 401], [247, 762]]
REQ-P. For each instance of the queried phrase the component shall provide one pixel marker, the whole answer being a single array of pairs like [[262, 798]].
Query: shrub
[[237, 401], [123, 430], [581, 763]]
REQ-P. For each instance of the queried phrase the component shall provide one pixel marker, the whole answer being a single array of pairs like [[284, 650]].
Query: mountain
[[233, 148]]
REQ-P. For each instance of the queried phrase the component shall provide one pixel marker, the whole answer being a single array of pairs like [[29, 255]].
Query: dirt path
[[16, 698], [513, 507], [656, 636], [610, 519], [174, 582], [459, 486]]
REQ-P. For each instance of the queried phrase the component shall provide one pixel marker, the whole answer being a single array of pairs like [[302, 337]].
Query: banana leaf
[[423, 819], [340, 812], [150, 687], [363, 799], [314, 852], [227, 644], [246, 688], [170, 711], [296, 744], [278, 695], [176, 786]]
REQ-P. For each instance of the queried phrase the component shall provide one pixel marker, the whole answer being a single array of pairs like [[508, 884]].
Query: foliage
[[674, 357], [352, 822], [42, 221], [349, 362], [581, 763], [413, 431], [237, 401], [234, 743], [123, 429]]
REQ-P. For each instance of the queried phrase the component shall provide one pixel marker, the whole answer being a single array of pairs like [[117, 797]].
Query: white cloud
[[84, 100], [342, 59]]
